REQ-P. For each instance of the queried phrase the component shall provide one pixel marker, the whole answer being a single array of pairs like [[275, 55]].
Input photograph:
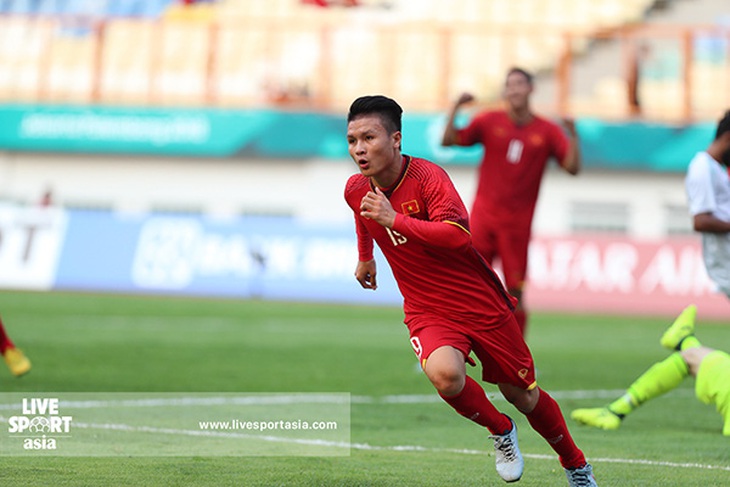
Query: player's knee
[[523, 400], [447, 381]]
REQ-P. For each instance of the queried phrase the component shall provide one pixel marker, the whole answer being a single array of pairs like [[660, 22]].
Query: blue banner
[[245, 257]]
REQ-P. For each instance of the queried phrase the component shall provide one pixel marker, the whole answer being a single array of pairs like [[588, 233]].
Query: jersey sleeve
[[364, 239], [447, 225], [472, 133]]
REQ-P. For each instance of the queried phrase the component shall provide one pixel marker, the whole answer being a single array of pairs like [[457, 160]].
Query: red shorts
[[501, 349], [510, 246]]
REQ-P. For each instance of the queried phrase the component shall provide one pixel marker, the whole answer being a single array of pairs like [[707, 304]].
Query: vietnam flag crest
[[410, 207]]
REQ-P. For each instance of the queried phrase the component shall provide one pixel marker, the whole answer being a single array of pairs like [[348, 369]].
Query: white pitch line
[[259, 399], [368, 447]]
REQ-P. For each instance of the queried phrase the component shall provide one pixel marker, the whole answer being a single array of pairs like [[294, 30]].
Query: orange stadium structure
[[248, 53]]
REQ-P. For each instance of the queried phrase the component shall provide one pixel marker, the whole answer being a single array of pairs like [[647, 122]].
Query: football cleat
[[597, 417], [581, 477], [682, 327], [17, 362], [508, 458]]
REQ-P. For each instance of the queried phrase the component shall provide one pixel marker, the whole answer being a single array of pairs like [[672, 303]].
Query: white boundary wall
[[309, 189]]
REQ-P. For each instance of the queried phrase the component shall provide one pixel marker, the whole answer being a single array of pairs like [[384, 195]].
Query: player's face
[[517, 90], [374, 150]]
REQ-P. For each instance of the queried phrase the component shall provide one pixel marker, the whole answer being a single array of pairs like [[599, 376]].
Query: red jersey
[[514, 160], [429, 248]]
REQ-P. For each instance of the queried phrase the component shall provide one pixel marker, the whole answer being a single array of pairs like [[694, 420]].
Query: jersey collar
[[390, 189]]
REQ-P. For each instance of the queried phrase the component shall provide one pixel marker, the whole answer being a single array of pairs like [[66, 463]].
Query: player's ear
[[397, 139]]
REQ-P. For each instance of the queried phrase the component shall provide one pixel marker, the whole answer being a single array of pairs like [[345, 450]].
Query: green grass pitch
[[107, 343]]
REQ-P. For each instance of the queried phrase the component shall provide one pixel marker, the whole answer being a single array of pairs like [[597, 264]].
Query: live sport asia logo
[[40, 424]]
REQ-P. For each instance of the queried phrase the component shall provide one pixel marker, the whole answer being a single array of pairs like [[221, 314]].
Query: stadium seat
[[256, 63], [426, 92], [710, 81], [23, 41], [270, 9], [662, 98], [125, 75], [483, 78], [21, 7], [202, 12], [181, 70], [70, 74], [151, 9], [352, 55], [239, 69]]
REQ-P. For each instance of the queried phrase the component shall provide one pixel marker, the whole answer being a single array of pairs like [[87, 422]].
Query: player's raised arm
[[572, 162], [449, 137]]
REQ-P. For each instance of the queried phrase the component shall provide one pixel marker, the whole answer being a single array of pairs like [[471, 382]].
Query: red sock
[[473, 404], [547, 419], [5, 341]]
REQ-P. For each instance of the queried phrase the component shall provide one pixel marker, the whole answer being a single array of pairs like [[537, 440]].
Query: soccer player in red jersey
[[517, 146], [15, 359], [453, 301]]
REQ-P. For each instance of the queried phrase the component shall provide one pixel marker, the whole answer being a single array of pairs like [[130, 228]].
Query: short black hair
[[528, 76], [723, 125], [386, 108]]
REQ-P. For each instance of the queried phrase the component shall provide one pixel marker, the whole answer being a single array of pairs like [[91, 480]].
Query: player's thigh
[[428, 334], [504, 355]]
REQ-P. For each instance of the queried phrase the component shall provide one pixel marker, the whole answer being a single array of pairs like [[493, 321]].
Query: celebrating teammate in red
[[454, 303], [517, 145]]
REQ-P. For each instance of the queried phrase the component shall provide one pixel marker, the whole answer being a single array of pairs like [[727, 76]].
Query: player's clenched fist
[[375, 205]]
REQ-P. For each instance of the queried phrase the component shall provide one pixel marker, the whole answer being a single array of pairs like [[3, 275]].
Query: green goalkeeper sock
[[661, 377]]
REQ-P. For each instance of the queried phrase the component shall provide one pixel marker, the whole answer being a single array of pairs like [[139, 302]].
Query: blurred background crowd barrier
[[607, 58]]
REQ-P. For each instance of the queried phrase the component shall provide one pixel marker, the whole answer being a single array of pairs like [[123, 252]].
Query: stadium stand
[[252, 53]]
